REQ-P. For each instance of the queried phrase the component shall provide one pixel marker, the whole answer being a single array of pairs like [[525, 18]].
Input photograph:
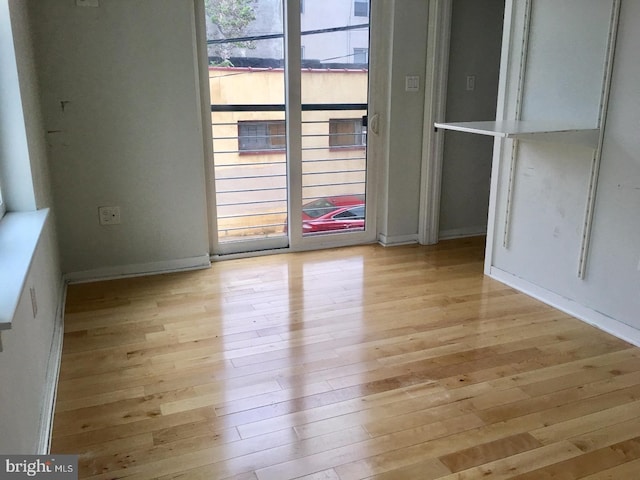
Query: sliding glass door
[[288, 85]]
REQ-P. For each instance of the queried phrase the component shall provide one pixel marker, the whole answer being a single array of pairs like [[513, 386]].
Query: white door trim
[[434, 111]]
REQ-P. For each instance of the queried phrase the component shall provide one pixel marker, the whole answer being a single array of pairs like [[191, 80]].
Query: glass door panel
[[334, 83], [246, 83]]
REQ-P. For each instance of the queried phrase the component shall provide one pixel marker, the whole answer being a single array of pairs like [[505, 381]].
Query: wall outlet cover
[[109, 215]]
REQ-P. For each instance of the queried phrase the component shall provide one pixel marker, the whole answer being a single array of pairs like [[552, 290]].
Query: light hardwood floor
[[365, 362]]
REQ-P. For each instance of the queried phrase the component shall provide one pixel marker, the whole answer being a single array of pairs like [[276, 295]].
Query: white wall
[[14, 149], [551, 182], [406, 119], [401, 118], [612, 284], [476, 38], [25, 362], [25, 369], [121, 109]]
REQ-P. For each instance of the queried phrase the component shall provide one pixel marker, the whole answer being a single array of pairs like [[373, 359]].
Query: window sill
[[19, 235]]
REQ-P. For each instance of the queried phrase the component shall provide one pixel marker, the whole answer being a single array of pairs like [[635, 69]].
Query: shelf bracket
[[597, 155]]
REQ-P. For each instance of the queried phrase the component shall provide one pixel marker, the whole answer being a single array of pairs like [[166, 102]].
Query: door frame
[[293, 115], [293, 106], [202, 62]]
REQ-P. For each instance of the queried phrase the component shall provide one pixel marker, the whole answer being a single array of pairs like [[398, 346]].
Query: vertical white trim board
[[52, 376], [435, 100]]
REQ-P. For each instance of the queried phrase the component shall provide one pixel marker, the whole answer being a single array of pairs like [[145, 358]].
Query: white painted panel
[[408, 57], [547, 213], [26, 354], [565, 63], [550, 187], [613, 271]]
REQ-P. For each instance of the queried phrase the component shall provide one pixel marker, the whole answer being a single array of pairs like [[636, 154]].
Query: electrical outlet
[[109, 215], [34, 302]]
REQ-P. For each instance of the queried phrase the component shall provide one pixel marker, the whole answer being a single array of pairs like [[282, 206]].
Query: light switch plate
[[411, 83]]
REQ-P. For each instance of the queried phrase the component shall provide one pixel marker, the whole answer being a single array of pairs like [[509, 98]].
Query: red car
[[330, 214]]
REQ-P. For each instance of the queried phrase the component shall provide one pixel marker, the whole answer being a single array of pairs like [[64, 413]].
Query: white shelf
[[529, 130]]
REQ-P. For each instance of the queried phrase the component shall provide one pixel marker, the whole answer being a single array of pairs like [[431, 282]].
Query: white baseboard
[[573, 308], [139, 269], [394, 240], [462, 232], [52, 376]]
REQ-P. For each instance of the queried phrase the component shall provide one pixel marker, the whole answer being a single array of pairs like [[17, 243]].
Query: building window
[[347, 132], [361, 55], [261, 136], [360, 9]]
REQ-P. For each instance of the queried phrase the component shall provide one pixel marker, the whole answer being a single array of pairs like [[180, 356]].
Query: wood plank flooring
[[354, 363]]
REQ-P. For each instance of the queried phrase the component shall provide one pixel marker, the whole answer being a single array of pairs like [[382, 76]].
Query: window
[[361, 55], [319, 207], [355, 213], [347, 132], [360, 9], [261, 136]]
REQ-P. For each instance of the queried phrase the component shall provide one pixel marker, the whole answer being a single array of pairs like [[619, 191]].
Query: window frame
[[268, 146]]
